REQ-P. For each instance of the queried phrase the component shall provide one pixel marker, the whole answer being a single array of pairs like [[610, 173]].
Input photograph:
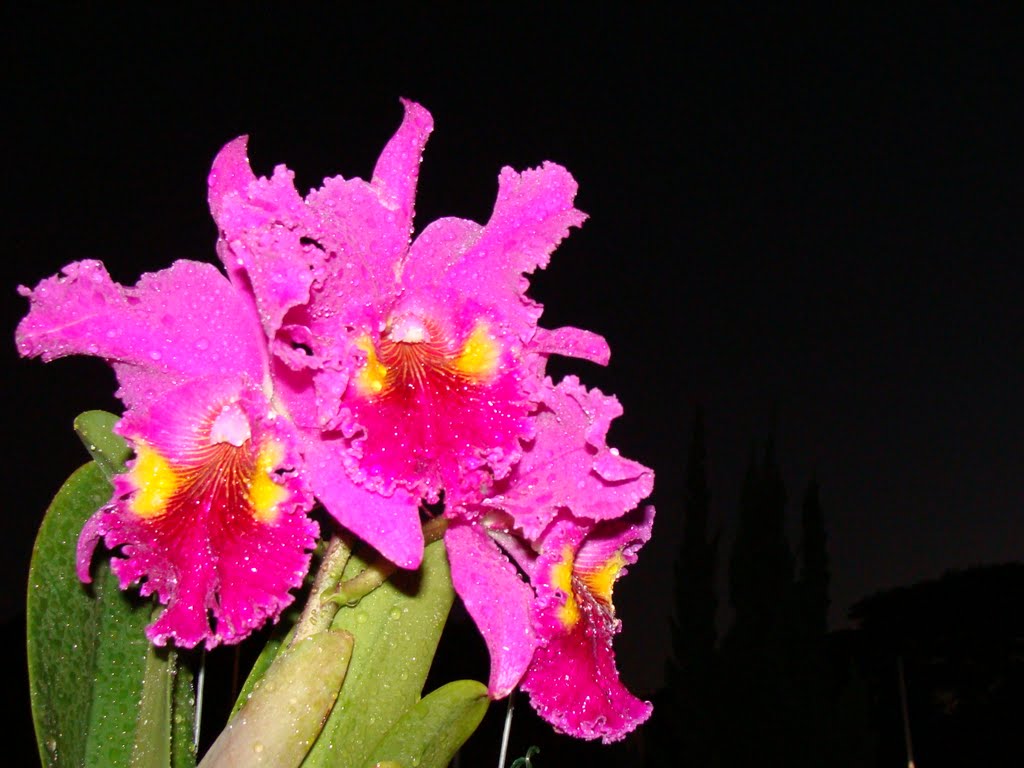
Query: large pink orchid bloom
[[211, 513], [408, 365]]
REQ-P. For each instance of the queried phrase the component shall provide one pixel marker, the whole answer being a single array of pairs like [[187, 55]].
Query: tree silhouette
[[683, 729], [813, 583], [694, 633], [761, 567], [777, 690]]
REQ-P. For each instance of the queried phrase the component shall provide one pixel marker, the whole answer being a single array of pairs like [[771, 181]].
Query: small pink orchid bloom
[[211, 513], [409, 364], [560, 510]]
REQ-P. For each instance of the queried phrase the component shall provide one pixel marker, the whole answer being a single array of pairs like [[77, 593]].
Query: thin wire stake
[[510, 707], [200, 683]]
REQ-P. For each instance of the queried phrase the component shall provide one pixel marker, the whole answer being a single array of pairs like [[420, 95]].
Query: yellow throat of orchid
[[411, 352]]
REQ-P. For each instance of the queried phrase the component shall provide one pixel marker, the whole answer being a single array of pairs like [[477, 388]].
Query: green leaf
[[109, 451], [430, 732], [183, 713], [87, 652], [396, 630], [163, 732], [287, 707]]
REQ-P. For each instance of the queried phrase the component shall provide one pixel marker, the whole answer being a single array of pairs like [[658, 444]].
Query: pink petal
[[363, 231], [481, 573], [389, 523], [221, 562], [398, 167], [569, 465], [574, 685], [176, 324], [435, 434]]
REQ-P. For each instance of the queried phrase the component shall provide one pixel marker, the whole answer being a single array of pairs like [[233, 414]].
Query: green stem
[[319, 611], [351, 591]]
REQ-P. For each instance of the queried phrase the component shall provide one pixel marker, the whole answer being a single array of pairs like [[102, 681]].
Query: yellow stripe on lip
[[561, 577], [601, 581], [155, 480], [480, 353], [372, 377], [264, 493]]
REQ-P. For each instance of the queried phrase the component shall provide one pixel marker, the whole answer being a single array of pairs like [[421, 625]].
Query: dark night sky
[[804, 223]]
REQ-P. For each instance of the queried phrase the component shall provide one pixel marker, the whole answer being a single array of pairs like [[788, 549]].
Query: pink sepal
[[498, 600]]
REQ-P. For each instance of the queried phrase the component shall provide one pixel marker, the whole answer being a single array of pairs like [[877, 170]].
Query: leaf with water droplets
[[288, 706], [110, 451], [396, 629], [87, 651], [431, 731]]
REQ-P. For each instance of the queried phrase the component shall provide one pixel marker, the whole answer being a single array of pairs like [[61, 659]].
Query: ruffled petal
[[211, 514], [573, 681], [265, 240], [533, 213], [363, 232], [174, 325], [481, 573], [569, 465], [436, 412]]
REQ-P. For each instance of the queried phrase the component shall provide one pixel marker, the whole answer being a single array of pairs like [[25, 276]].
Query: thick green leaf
[[109, 451], [431, 731], [259, 668], [396, 629], [288, 706], [87, 650]]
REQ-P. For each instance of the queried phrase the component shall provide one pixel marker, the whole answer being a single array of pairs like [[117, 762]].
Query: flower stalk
[[319, 611]]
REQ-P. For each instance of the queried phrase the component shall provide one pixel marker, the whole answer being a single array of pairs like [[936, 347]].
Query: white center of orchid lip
[[408, 329], [231, 426]]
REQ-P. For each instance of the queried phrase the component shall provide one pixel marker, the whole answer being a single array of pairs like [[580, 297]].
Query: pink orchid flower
[[408, 365], [561, 516], [211, 513]]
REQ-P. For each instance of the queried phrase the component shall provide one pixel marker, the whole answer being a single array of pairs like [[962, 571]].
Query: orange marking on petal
[[264, 493], [373, 375], [480, 354]]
